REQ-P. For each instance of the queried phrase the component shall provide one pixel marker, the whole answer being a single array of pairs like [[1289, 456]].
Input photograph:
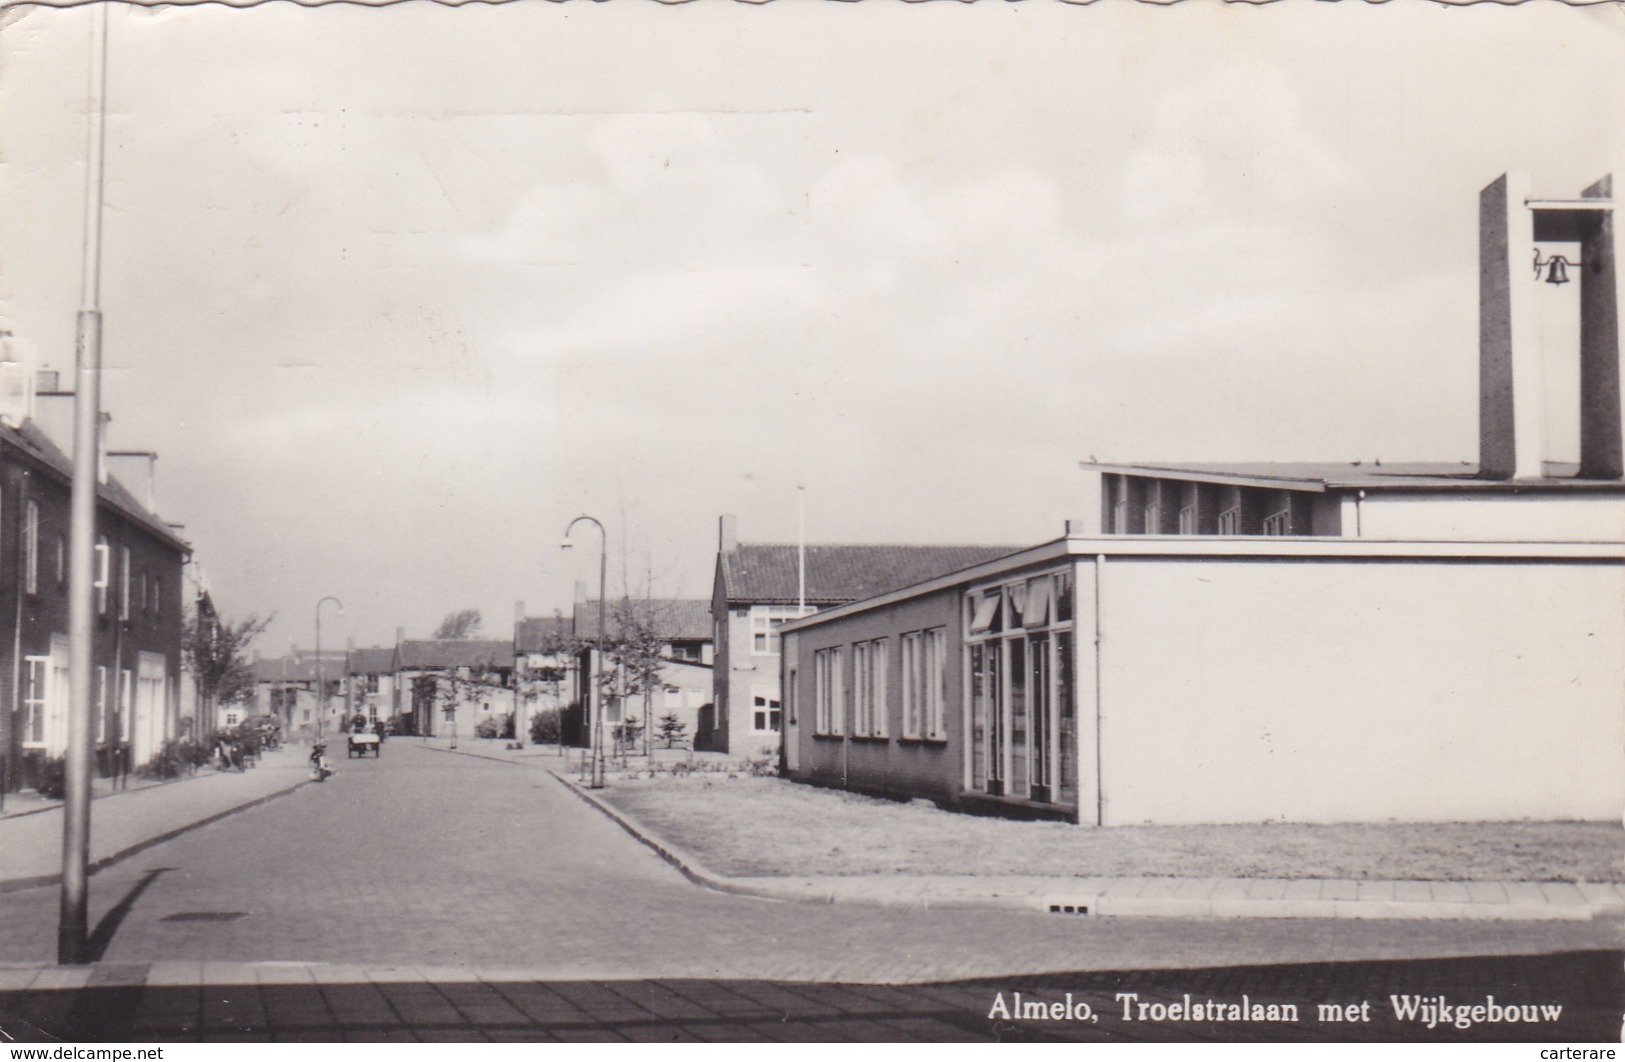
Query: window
[[125, 687], [924, 657], [104, 561], [1187, 520], [1021, 727], [986, 616], [1279, 523], [934, 688], [912, 652], [1153, 516], [765, 714], [231, 718], [100, 696], [765, 621], [1230, 521], [124, 583], [869, 688], [828, 697], [31, 548], [36, 680]]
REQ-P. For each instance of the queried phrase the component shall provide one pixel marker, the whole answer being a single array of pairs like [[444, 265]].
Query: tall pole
[[72, 939], [597, 696], [321, 673]]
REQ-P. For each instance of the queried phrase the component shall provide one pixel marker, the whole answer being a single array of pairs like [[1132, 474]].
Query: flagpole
[[73, 944]]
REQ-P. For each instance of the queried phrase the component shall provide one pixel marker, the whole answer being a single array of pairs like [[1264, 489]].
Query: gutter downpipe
[[1100, 788], [1359, 497]]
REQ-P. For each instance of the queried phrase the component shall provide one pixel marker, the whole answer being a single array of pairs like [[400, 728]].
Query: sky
[[396, 293]]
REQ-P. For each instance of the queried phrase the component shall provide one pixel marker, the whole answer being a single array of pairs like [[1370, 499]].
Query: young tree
[[216, 651], [464, 623], [633, 654], [671, 729]]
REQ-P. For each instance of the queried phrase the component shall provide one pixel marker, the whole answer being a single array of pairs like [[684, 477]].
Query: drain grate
[[204, 916]]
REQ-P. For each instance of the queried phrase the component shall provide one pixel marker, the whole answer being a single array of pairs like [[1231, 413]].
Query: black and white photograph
[[811, 521]]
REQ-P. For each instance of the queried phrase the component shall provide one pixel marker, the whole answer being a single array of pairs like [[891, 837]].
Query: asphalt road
[[423, 858]]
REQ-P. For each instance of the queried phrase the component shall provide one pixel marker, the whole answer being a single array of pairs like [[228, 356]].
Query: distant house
[[449, 686], [543, 666], [285, 688], [136, 628], [369, 676], [758, 588], [681, 629]]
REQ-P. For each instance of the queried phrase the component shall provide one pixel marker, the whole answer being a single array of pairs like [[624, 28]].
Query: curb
[[685, 863], [1100, 904], [18, 884]]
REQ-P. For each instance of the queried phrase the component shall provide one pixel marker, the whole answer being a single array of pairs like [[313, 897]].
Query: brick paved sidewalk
[[1156, 897], [127, 822]]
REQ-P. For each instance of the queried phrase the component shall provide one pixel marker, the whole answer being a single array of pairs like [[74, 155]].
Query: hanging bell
[[1557, 270]]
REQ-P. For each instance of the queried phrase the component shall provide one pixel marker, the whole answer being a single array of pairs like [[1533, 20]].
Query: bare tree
[[464, 623]]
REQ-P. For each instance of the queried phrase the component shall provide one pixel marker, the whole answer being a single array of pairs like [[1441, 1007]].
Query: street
[[425, 858]]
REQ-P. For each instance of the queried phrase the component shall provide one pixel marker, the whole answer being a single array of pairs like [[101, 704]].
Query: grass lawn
[[746, 827]]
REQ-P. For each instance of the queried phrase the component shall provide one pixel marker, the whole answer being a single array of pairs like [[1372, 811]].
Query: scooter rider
[[319, 769]]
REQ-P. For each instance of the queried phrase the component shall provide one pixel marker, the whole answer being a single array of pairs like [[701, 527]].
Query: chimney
[[727, 534], [581, 589], [1512, 402], [138, 471], [16, 391], [53, 410], [400, 635]]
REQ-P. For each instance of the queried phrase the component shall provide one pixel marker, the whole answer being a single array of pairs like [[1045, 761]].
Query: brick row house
[[758, 588], [138, 615]]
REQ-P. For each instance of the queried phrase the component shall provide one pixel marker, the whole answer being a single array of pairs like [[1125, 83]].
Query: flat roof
[[1217, 548], [1322, 476]]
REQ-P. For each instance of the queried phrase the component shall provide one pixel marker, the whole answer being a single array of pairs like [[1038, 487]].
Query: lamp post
[[321, 675], [72, 935], [596, 697]]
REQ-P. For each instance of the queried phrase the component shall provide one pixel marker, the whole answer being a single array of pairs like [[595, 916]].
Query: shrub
[[488, 728], [544, 727], [176, 758], [763, 766]]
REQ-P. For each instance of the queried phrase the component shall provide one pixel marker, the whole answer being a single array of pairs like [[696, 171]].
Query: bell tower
[[1511, 385]]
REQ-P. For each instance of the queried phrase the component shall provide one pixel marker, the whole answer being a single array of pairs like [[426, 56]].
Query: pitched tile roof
[[674, 619], [447, 652], [299, 668], [536, 634], [31, 439], [768, 574], [372, 661]]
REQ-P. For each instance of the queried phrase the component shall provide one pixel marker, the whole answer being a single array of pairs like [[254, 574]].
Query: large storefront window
[[1023, 728]]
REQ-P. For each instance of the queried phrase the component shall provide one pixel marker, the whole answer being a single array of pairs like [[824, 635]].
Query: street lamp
[[321, 676], [596, 697]]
